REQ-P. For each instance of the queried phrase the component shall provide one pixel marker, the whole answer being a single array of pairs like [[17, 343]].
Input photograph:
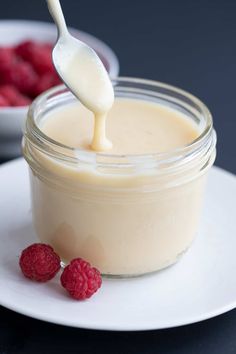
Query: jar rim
[[36, 136]]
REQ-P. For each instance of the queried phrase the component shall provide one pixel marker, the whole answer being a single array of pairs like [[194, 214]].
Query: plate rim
[[138, 326]]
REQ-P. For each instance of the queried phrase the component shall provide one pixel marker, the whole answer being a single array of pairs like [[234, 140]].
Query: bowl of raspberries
[[26, 71]]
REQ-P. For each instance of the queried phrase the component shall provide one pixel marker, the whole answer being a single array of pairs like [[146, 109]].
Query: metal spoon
[[79, 66]]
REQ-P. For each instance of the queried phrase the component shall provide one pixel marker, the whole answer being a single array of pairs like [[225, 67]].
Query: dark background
[[187, 43]]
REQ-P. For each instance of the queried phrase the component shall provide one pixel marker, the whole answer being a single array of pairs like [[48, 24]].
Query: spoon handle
[[55, 10]]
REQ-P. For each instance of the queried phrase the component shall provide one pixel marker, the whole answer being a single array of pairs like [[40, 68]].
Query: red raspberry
[[39, 262], [22, 76], [57, 80], [43, 84], [38, 55], [25, 49], [25, 78], [9, 92], [7, 58], [3, 101], [21, 101], [41, 61], [13, 96], [80, 279], [48, 46]]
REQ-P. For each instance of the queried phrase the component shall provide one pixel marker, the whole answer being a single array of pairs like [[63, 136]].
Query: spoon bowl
[[79, 67]]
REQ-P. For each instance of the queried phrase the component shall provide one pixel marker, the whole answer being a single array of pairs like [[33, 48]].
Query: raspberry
[[22, 76], [13, 96], [7, 75], [38, 55], [9, 92], [41, 61], [57, 80], [21, 100], [48, 46], [39, 262], [24, 49], [7, 58], [43, 84], [80, 279], [3, 101]]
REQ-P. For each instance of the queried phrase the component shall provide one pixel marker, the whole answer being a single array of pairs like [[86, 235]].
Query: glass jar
[[127, 215]]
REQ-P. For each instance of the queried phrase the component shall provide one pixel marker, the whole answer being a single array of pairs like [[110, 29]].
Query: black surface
[[188, 43]]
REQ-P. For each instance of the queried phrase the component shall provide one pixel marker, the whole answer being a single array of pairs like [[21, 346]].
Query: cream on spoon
[[84, 74]]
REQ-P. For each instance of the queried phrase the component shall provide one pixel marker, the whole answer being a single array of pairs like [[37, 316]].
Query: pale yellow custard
[[133, 126], [134, 210]]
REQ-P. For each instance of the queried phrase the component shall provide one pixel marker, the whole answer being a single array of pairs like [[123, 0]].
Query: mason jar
[[126, 214]]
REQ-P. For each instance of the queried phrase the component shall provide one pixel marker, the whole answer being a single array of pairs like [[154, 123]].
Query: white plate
[[201, 285]]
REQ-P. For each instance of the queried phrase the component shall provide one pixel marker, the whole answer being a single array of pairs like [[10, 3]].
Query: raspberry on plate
[[39, 262], [80, 279]]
